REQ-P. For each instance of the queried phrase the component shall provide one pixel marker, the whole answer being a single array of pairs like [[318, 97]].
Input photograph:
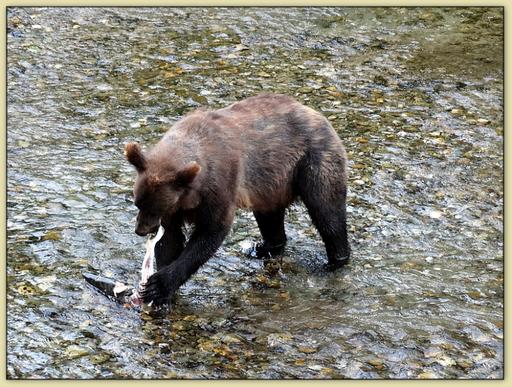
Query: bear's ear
[[134, 155], [187, 174]]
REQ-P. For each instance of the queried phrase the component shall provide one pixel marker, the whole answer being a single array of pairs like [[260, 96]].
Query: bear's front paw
[[154, 292]]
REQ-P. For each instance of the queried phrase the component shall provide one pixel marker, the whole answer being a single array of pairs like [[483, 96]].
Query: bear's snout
[[146, 225], [143, 231]]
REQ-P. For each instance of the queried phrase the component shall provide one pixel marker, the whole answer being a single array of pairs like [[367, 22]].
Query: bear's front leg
[[203, 243], [169, 248], [271, 225]]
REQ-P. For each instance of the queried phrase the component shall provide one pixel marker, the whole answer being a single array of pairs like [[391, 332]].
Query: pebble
[[305, 90], [74, 351], [100, 358], [464, 363], [241, 47], [25, 290], [52, 235], [164, 347], [229, 339], [377, 363], [432, 352], [16, 21], [435, 214], [445, 361], [427, 375], [264, 74], [47, 282], [474, 294], [447, 346], [25, 64], [23, 144], [307, 349], [389, 300], [178, 326]]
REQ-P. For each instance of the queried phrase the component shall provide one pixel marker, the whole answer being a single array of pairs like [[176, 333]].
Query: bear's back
[[263, 138]]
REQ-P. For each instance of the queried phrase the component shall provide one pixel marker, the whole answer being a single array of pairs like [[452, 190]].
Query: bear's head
[[159, 187]]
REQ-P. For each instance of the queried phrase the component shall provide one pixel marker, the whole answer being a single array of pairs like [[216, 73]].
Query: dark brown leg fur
[[271, 225], [169, 248], [324, 195], [212, 224]]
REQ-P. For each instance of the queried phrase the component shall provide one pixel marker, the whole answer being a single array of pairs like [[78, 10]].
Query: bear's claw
[[153, 292]]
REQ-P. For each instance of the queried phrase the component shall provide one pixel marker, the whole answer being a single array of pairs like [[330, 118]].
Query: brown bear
[[261, 153]]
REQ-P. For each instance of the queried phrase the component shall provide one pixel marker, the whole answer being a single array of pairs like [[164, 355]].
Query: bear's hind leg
[[271, 225], [324, 192]]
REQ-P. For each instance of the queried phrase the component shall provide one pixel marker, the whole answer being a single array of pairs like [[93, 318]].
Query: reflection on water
[[416, 95]]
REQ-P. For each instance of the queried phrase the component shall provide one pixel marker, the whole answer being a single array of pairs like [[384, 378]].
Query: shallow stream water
[[416, 94]]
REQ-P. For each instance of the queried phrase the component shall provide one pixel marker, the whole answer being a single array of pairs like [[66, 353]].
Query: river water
[[416, 94]]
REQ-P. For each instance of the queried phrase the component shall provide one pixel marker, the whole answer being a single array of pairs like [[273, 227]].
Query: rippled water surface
[[416, 95]]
